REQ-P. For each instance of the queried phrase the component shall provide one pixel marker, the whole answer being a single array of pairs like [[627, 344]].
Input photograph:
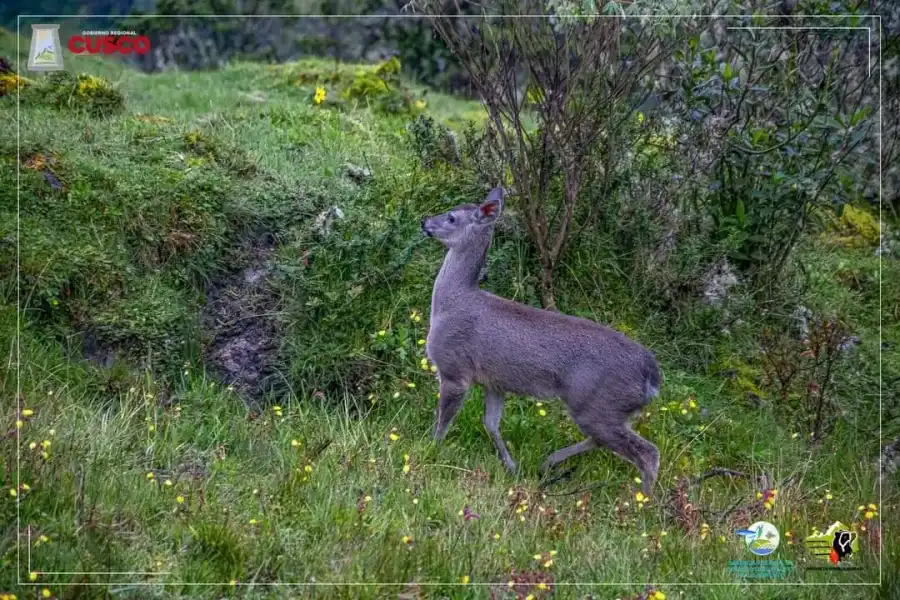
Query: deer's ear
[[490, 209]]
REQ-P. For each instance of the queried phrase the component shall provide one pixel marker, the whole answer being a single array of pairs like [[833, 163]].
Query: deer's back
[[528, 351]]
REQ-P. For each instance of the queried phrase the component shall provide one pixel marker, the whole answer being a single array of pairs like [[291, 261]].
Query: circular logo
[[761, 538]]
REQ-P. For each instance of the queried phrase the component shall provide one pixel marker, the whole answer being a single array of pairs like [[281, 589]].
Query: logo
[[109, 42], [46, 51], [761, 538], [835, 545]]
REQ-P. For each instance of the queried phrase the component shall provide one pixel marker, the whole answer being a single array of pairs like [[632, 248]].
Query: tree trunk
[[548, 302]]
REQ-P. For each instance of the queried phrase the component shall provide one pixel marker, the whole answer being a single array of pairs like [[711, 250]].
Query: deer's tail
[[652, 378]]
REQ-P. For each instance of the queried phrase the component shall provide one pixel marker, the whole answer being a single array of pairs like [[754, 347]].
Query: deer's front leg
[[451, 399]]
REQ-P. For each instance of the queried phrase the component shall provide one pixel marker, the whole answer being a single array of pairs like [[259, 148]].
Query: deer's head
[[466, 222]]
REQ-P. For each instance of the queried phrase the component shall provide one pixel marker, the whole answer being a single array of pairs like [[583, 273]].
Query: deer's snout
[[425, 227]]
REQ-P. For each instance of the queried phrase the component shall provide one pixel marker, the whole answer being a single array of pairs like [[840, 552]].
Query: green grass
[[153, 209]]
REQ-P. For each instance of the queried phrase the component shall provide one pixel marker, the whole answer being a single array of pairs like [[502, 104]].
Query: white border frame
[[20, 582]]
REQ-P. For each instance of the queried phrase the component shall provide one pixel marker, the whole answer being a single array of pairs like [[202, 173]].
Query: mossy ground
[[150, 465]]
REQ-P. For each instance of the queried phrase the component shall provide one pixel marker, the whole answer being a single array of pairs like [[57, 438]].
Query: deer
[[475, 337]]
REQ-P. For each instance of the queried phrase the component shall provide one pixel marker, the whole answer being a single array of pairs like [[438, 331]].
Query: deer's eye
[[451, 219]]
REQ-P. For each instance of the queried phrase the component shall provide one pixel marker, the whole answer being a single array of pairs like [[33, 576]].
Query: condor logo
[[109, 44]]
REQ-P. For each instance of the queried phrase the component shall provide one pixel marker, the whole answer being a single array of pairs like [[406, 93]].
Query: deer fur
[[603, 377]]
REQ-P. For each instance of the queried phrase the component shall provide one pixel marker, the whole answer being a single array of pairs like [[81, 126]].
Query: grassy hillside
[[222, 383]]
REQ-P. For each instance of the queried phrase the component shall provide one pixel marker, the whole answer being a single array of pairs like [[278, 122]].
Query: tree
[[555, 88]]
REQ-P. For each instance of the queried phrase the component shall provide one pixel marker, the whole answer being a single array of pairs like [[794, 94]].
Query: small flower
[[179, 499], [496, 536], [382, 333], [434, 368], [308, 468], [19, 423], [637, 479], [869, 514], [33, 445], [542, 586], [465, 580], [295, 443], [320, 95], [873, 507], [32, 576], [411, 385], [704, 531], [394, 436], [253, 521], [795, 435], [657, 595], [542, 412], [421, 342], [828, 496], [150, 475], [406, 468], [396, 394], [168, 483], [367, 499], [27, 412], [406, 539], [46, 593], [684, 411]]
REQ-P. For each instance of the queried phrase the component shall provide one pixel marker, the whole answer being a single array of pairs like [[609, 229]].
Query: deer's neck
[[460, 273]]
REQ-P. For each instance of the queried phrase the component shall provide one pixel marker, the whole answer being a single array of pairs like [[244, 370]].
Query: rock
[[358, 174], [719, 279]]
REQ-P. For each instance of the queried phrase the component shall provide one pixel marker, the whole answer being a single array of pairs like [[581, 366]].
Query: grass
[[154, 466]]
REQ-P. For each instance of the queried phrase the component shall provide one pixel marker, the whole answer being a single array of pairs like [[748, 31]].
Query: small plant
[[803, 371]]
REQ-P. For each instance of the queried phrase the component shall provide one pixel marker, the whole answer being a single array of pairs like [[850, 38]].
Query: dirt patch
[[241, 322]]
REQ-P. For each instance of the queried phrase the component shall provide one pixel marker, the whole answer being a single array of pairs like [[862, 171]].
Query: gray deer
[[507, 347]]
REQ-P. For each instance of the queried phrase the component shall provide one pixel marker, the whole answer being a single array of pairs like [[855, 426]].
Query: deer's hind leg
[[493, 410], [610, 428]]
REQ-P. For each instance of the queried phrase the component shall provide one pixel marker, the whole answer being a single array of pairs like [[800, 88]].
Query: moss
[[856, 228], [82, 93]]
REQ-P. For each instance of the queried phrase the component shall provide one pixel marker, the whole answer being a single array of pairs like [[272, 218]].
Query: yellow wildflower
[[869, 514], [320, 95], [406, 468], [394, 436], [33, 445], [150, 475], [496, 536], [465, 580], [27, 412], [542, 586], [406, 539], [873, 507], [19, 423], [295, 443], [308, 468], [421, 342], [657, 595], [179, 499], [32, 576], [434, 368], [542, 412]]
